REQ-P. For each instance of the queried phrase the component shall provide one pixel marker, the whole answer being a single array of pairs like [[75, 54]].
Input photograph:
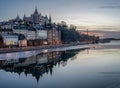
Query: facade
[[6, 26], [10, 39], [23, 43], [29, 33], [41, 34], [37, 30], [37, 18], [5, 31], [54, 37], [20, 29]]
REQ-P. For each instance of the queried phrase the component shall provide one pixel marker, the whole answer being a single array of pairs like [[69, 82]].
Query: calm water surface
[[97, 67]]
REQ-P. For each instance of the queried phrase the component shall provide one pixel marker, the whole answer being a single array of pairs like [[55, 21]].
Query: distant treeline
[[70, 34]]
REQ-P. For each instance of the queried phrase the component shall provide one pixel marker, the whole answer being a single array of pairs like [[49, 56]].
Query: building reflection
[[38, 65]]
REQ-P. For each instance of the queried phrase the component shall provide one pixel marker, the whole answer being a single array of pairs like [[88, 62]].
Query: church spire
[[50, 20], [36, 10], [17, 18], [24, 17]]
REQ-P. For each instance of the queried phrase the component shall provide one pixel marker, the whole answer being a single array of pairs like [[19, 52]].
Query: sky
[[101, 15], [103, 34]]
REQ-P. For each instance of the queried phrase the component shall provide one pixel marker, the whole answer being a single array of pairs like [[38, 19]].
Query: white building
[[10, 39], [20, 29], [31, 34], [6, 25], [6, 31], [41, 33]]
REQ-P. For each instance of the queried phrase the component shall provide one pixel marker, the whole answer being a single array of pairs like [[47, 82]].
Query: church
[[37, 18]]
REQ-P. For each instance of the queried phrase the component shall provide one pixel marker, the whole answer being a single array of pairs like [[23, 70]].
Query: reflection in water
[[39, 64], [96, 67]]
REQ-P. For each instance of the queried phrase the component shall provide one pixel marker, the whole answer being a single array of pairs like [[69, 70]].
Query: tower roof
[[36, 12], [24, 17], [50, 18], [17, 18]]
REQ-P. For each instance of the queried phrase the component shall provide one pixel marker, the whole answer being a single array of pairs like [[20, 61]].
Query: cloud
[[100, 28], [110, 7]]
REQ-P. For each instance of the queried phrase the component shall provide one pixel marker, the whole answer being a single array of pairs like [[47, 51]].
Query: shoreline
[[43, 47]]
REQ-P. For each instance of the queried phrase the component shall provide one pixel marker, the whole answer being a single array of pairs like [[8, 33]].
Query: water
[[97, 67]]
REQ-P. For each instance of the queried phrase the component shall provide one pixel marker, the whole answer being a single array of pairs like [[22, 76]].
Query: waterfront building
[[29, 33], [10, 39], [54, 36], [41, 32], [20, 29], [22, 41], [5, 31], [6, 25], [37, 29]]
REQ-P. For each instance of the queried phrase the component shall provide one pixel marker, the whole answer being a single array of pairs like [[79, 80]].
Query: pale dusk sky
[[86, 14]]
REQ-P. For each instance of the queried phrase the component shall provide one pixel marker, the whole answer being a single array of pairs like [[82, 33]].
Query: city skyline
[[92, 14]]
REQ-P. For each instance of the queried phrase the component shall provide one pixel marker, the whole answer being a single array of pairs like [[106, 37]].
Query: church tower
[[17, 18], [24, 17], [50, 20], [36, 12], [35, 16]]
